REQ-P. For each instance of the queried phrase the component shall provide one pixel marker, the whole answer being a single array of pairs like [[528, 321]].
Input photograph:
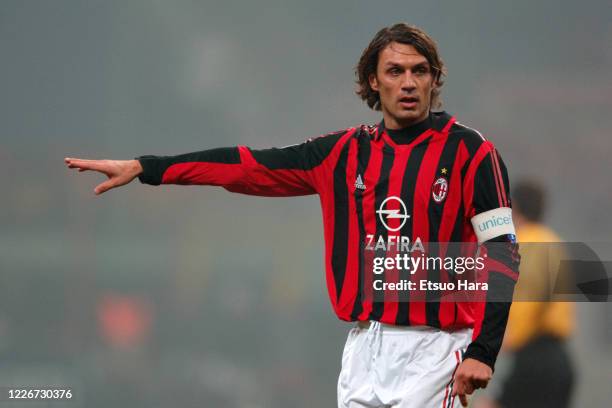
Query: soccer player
[[537, 334], [416, 177]]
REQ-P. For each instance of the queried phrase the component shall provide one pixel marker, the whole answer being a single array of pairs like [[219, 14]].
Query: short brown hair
[[404, 34]]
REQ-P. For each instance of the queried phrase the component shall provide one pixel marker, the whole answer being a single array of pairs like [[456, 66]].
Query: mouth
[[408, 102]]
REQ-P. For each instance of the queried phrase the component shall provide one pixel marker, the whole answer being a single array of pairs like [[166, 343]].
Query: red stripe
[[248, 177], [457, 356], [370, 178], [448, 125], [496, 178], [403, 147], [325, 169], [446, 390], [205, 173], [501, 180], [420, 222], [453, 200], [448, 387]]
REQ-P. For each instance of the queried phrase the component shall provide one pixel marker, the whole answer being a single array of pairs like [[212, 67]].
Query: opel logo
[[402, 213]]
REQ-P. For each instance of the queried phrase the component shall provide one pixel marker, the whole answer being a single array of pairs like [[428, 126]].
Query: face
[[404, 80]]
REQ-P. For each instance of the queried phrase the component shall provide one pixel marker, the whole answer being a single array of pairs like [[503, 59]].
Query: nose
[[408, 82]]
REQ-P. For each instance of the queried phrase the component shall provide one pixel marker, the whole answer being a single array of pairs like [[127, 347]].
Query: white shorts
[[400, 367]]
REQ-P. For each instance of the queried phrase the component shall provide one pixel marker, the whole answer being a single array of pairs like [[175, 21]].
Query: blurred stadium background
[[174, 296]]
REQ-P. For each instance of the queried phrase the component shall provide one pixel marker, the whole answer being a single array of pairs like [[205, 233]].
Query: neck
[[392, 122]]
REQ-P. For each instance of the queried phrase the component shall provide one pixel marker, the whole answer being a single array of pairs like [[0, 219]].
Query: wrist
[[475, 352], [136, 167]]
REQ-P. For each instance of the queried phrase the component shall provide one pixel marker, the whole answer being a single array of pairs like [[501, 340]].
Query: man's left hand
[[470, 375]]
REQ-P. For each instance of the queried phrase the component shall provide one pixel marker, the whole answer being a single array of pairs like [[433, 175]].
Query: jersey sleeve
[[489, 209], [275, 172]]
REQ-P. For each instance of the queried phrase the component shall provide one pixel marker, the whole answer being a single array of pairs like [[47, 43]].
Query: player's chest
[[422, 178]]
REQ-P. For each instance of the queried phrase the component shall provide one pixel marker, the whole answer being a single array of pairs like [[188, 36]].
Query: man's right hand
[[119, 172]]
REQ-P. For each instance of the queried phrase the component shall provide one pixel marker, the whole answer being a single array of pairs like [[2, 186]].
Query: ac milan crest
[[439, 189]]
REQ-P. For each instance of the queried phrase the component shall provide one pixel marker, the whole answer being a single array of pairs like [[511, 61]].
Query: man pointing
[[417, 176]]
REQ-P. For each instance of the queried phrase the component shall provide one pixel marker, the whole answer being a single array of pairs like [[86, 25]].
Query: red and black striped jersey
[[436, 181]]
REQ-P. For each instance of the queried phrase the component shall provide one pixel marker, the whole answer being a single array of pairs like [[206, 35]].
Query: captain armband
[[494, 223]]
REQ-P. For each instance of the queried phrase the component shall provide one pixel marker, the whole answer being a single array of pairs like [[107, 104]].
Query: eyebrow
[[393, 64]]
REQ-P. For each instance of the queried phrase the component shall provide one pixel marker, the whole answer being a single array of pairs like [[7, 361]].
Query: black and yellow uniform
[[542, 374]]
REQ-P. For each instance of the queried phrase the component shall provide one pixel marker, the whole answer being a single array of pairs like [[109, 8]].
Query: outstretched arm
[[269, 172], [119, 172], [289, 171]]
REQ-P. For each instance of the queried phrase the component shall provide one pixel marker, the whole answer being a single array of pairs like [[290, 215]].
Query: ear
[[373, 82], [434, 84], [434, 81]]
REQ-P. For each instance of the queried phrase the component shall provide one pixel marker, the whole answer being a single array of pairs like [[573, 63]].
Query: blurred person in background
[[541, 373], [450, 181]]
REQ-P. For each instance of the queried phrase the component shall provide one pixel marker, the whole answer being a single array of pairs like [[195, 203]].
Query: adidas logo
[[359, 183]]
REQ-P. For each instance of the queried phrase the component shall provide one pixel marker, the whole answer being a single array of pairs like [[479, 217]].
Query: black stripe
[[486, 346], [440, 120], [472, 139], [341, 219], [434, 212], [363, 157], [303, 156], [458, 228], [454, 250], [456, 232], [381, 191], [407, 195]]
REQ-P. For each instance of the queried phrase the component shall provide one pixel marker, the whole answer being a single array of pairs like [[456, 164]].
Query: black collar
[[435, 120], [409, 133]]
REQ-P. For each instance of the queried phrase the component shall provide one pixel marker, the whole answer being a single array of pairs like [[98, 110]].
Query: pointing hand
[[119, 172]]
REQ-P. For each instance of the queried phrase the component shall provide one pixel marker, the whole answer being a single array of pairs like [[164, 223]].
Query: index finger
[[98, 165], [459, 389]]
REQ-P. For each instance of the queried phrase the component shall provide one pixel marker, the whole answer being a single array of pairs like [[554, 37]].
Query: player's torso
[[381, 188]]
